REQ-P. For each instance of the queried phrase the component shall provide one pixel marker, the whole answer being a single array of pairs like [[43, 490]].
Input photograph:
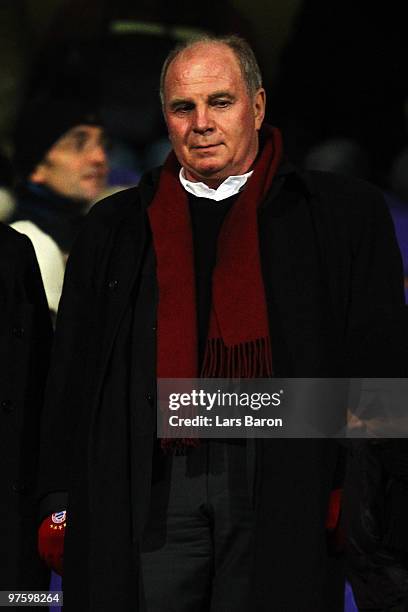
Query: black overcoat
[[328, 254], [25, 342]]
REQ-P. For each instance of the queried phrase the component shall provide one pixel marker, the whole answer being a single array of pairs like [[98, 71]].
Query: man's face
[[212, 120], [76, 165]]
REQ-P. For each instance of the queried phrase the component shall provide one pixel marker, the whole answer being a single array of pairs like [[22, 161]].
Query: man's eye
[[74, 143], [181, 110], [221, 103], [80, 142]]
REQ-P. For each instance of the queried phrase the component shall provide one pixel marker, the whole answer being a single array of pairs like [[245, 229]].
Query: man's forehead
[[80, 132], [203, 63], [83, 129]]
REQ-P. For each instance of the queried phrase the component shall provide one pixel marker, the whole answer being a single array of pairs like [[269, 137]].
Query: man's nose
[[202, 121], [98, 154]]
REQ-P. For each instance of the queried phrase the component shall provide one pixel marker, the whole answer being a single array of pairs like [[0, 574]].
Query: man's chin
[[206, 173], [94, 193]]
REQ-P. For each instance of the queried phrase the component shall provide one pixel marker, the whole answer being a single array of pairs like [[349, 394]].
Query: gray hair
[[241, 49]]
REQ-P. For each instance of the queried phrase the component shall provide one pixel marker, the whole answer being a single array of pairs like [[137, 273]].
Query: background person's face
[[76, 166], [213, 123]]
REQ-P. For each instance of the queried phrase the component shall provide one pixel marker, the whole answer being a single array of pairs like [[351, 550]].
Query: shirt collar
[[231, 186]]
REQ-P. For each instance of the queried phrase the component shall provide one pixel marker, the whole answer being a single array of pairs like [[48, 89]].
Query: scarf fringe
[[246, 360], [251, 359]]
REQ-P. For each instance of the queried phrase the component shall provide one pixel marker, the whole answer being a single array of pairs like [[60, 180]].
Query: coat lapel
[[296, 286], [120, 278]]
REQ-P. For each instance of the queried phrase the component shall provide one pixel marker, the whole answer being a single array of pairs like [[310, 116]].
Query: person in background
[[25, 342], [61, 165], [7, 203]]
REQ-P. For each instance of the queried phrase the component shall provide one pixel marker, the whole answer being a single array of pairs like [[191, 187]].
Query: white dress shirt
[[228, 188]]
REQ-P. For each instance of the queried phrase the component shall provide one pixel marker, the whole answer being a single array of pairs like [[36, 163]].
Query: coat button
[[113, 284], [7, 405], [18, 332], [149, 397]]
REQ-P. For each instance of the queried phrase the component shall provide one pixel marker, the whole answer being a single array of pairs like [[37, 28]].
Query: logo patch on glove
[[59, 517]]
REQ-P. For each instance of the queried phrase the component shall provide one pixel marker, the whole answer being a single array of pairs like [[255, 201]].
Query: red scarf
[[238, 343]]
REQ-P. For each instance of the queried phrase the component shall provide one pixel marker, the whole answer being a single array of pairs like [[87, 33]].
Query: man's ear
[[259, 107]]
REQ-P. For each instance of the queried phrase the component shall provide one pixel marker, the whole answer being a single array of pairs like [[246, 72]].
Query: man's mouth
[[97, 175], [205, 146]]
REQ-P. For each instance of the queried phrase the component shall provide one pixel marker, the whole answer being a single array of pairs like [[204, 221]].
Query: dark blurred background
[[335, 72]]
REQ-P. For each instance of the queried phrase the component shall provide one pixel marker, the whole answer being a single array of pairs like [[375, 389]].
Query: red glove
[[333, 513], [333, 527], [51, 540]]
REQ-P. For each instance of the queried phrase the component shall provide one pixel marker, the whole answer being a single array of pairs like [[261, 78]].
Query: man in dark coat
[[226, 262], [25, 342]]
